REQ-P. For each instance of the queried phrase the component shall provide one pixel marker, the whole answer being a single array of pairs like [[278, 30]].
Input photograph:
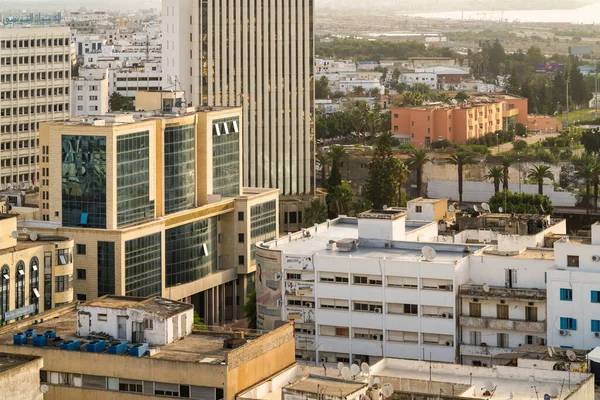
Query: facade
[[262, 59], [459, 123], [200, 365], [543, 124], [35, 73], [36, 271], [359, 289], [89, 94], [157, 207], [424, 62], [20, 377], [429, 79]]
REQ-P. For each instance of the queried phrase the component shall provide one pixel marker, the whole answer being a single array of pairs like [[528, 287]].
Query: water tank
[[95, 346], [39, 341], [50, 334], [30, 332], [19, 339], [117, 348], [70, 345], [138, 350]]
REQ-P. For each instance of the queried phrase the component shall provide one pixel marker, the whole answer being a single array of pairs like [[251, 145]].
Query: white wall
[[424, 233], [385, 229], [427, 211]]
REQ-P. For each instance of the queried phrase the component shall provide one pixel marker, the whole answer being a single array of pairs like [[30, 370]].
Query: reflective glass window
[[106, 268], [180, 164], [143, 266], [226, 157]]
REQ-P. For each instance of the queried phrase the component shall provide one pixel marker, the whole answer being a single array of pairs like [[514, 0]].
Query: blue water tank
[[50, 334], [39, 340], [139, 350], [19, 339], [117, 348], [70, 345], [30, 332], [95, 346]]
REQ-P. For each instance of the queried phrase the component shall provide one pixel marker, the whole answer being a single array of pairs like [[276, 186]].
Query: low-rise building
[[20, 377], [90, 93]]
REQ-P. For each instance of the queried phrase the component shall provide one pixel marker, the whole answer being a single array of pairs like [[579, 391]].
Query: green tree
[[590, 139], [322, 90], [118, 102], [506, 163], [538, 173], [340, 198], [373, 92], [513, 84], [337, 154], [461, 96], [386, 174], [315, 214], [358, 91], [521, 203], [198, 323], [323, 159], [577, 87], [495, 174], [361, 205], [460, 159], [416, 161], [587, 171], [412, 99], [519, 145], [520, 129], [534, 56], [250, 309]]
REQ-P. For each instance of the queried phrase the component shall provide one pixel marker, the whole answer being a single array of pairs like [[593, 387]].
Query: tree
[[591, 141], [361, 205], [341, 197], [460, 159], [250, 309], [461, 96], [521, 203], [588, 172], [336, 154], [521, 129], [315, 214], [412, 99], [519, 145], [358, 91], [322, 90], [324, 161], [386, 174], [416, 161], [538, 173], [506, 163], [495, 174], [373, 92], [118, 102]]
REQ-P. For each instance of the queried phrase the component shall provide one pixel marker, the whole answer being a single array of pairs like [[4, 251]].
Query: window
[[367, 280], [502, 340], [419, 209], [64, 256], [568, 323], [240, 237], [510, 277], [240, 215], [367, 307], [20, 285], [62, 283], [81, 249], [126, 385], [475, 310], [475, 338], [102, 317], [327, 330], [566, 294], [398, 308], [81, 274], [572, 261], [241, 260], [501, 311], [402, 336], [294, 276], [369, 334], [531, 314], [148, 324], [333, 278], [333, 304], [595, 296], [404, 282], [81, 297]]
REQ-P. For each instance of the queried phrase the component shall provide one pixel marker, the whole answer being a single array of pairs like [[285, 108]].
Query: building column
[[235, 304], [223, 290], [215, 305]]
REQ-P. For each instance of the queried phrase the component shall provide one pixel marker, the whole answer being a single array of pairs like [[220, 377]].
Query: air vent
[[138, 350], [72, 345], [39, 340], [117, 348], [95, 346]]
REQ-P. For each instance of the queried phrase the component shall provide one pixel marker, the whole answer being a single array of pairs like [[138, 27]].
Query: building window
[[367, 307], [240, 215], [241, 260], [367, 280], [226, 157], [408, 309], [510, 277], [240, 237], [180, 164], [418, 209], [34, 282], [595, 296], [572, 261], [531, 314], [81, 249], [81, 297], [20, 285], [81, 274], [62, 283], [595, 325], [566, 294], [502, 311], [148, 324], [475, 338], [102, 317], [475, 310], [568, 323], [106, 268], [502, 340], [143, 266]]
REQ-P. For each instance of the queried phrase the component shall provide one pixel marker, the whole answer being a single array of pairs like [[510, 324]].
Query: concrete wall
[[424, 233], [479, 192], [385, 229], [23, 381]]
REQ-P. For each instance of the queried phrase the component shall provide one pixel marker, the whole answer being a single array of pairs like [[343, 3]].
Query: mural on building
[[268, 288]]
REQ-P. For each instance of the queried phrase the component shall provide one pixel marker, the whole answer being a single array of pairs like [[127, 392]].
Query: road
[[530, 140]]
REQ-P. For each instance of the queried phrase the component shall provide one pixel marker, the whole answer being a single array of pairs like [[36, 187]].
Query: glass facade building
[[84, 181], [180, 164], [106, 268], [143, 264], [191, 251], [133, 179], [263, 224], [226, 157]]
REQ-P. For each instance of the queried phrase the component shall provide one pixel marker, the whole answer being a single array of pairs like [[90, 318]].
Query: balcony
[[497, 292], [478, 350], [503, 324]]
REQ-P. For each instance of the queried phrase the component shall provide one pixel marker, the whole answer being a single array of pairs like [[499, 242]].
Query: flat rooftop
[[23, 244], [199, 347], [329, 387], [531, 253], [10, 361], [156, 305]]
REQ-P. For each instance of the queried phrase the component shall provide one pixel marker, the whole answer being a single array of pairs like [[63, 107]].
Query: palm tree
[[412, 99], [506, 163], [324, 161], [538, 173], [337, 154], [416, 161], [495, 174], [315, 214], [460, 159], [358, 91], [587, 172]]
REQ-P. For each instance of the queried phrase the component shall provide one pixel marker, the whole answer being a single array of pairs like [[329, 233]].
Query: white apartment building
[[89, 93], [35, 72], [503, 304], [85, 44], [121, 55], [360, 289], [574, 294], [262, 59], [347, 85], [323, 66], [425, 78]]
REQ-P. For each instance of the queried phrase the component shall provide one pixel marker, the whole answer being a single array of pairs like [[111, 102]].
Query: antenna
[[14, 234], [550, 351], [500, 210], [554, 391], [485, 206], [354, 369], [24, 230], [387, 390], [376, 381], [454, 101], [346, 373], [365, 368], [451, 208], [489, 386], [571, 355], [475, 208], [33, 236], [428, 253], [485, 287], [456, 206]]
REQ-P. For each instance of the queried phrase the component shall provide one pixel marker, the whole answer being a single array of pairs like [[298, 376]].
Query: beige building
[[199, 365], [35, 72], [20, 377], [36, 271], [156, 207]]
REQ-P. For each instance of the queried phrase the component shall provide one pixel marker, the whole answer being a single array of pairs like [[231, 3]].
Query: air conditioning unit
[[444, 315], [450, 316], [449, 343], [376, 337], [323, 359], [388, 245], [563, 333], [378, 310], [310, 332], [597, 334], [596, 258]]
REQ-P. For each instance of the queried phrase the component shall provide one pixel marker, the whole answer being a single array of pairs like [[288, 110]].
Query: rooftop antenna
[[14, 234], [571, 355], [486, 207], [387, 390], [340, 365], [475, 208], [354, 370], [365, 368], [24, 231], [486, 287], [451, 208], [33, 236], [500, 209], [346, 373], [428, 253]]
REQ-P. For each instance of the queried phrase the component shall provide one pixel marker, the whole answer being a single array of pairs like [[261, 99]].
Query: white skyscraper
[[257, 56]]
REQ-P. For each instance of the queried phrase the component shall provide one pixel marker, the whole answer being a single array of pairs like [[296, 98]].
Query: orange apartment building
[[481, 114]]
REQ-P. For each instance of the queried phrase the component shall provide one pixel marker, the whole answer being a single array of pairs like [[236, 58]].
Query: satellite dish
[[554, 391], [365, 368], [486, 287], [451, 208], [571, 355], [475, 208], [428, 253], [485, 206], [385, 207], [24, 230], [550, 351], [454, 101], [364, 397], [346, 373], [456, 206], [14, 234], [340, 366], [33, 236], [376, 381], [387, 390], [500, 210], [44, 389], [489, 386], [355, 369]]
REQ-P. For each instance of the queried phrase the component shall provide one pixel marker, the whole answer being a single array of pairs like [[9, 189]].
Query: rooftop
[[10, 361], [382, 214], [531, 253], [156, 305], [328, 387]]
